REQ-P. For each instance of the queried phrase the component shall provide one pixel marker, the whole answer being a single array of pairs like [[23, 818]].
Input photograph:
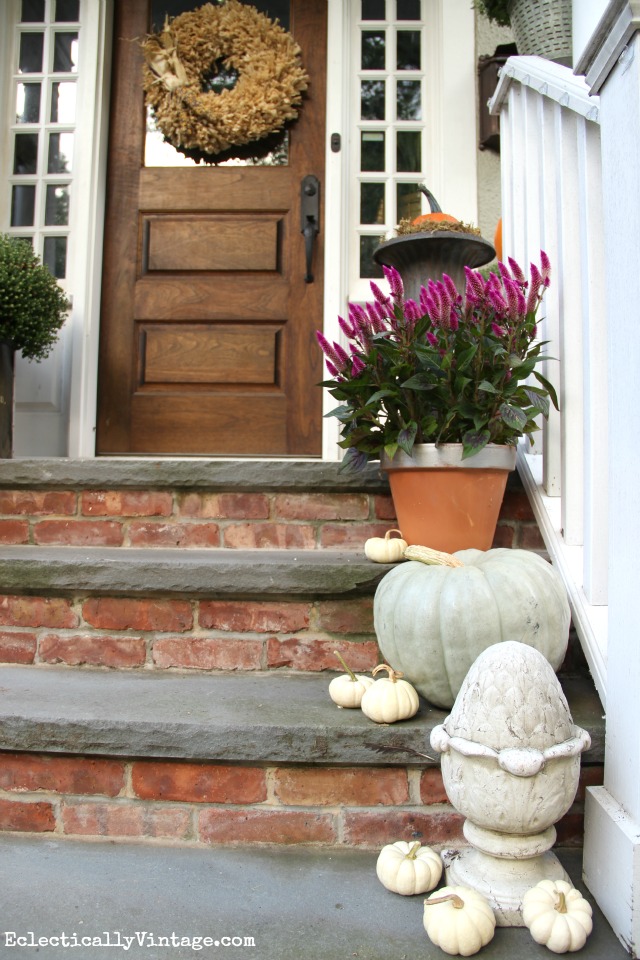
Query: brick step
[[207, 759], [203, 610], [211, 504]]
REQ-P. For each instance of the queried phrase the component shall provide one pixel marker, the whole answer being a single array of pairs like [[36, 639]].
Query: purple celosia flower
[[516, 271], [342, 355], [379, 296], [374, 319], [357, 366], [545, 265], [347, 328], [504, 272], [431, 337], [452, 290], [423, 299], [336, 358], [497, 329], [534, 289], [497, 301], [395, 283], [411, 311], [475, 288], [514, 297]]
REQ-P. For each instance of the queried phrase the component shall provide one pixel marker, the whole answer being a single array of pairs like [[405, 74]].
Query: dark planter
[[419, 257], [6, 400]]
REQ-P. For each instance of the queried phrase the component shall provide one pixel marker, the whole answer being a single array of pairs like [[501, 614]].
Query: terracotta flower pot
[[445, 502]]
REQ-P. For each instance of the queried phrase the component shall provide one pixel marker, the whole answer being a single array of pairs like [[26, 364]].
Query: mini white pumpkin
[[408, 868], [459, 920], [390, 699], [385, 549], [348, 689], [557, 916]]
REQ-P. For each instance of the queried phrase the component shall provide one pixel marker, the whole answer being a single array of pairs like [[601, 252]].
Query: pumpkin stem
[[456, 901], [434, 206], [413, 851], [387, 535], [561, 905], [393, 674], [432, 557], [348, 669]]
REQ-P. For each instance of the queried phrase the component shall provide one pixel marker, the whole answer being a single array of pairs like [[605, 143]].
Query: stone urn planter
[[510, 757]]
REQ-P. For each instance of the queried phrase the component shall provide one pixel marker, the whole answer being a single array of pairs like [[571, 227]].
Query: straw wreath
[[191, 48]]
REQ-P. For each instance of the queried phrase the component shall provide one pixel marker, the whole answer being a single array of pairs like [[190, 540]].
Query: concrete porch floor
[[295, 903]]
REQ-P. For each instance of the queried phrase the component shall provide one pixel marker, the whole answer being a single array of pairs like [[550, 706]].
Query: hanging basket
[[543, 28]]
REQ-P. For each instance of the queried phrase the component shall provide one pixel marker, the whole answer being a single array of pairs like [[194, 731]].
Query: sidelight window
[[390, 97], [43, 131]]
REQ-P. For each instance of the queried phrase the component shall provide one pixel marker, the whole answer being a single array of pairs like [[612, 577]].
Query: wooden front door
[[207, 341]]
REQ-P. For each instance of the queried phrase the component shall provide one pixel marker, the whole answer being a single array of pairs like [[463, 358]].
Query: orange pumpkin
[[497, 239], [435, 213]]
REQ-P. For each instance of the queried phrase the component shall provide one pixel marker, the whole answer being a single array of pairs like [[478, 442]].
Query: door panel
[[207, 328], [219, 243]]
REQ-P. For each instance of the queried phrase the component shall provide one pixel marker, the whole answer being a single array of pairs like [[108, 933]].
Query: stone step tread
[[126, 570], [238, 475], [296, 903], [247, 718]]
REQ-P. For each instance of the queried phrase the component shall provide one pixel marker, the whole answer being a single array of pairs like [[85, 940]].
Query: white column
[[612, 828]]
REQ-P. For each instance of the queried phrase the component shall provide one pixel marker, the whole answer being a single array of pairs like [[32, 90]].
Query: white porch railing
[[552, 200]]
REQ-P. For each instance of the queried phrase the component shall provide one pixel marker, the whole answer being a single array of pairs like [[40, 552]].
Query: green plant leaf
[[474, 441], [548, 386], [465, 358], [354, 461], [391, 449], [420, 381], [487, 387], [538, 399], [407, 436], [343, 412], [513, 416]]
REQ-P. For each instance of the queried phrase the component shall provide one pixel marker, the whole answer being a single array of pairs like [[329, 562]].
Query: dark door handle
[[309, 219]]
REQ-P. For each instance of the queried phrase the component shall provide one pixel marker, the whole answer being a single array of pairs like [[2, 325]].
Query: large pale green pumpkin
[[433, 621]]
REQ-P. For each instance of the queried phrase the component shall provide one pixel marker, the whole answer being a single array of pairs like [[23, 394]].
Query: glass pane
[[159, 153], [160, 9], [368, 266], [408, 50], [409, 100], [67, 11], [23, 205], [56, 211], [408, 151], [372, 99], [54, 256], [32, 11], [30, 59], [63, 103], [25, 155], [408, 200], [65, 53], [371, 150], [373, 49], [28, 103], [372, 203], [373, 10], [407, 9], [60, 153]]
